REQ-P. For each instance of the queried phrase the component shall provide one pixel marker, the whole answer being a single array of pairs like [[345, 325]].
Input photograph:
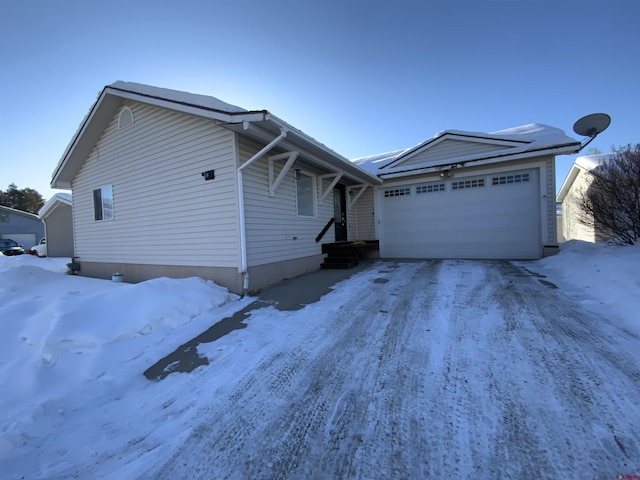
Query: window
[[463, 184], [306, 195], [430, 188], [103, 203], [4, 217], [507, 179], [397, 192]]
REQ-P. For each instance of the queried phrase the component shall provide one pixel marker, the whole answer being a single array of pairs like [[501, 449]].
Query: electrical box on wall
[[209, 174]]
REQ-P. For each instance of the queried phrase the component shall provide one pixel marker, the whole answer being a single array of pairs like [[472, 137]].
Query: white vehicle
[[41, 249]]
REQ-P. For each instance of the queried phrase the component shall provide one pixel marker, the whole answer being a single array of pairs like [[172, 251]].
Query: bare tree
[[611, 204]]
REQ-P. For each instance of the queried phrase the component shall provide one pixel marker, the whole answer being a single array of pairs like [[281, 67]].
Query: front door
[[340, 213]]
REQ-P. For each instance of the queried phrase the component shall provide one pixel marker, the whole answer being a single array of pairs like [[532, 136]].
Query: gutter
[[243, 233], [507, 156]]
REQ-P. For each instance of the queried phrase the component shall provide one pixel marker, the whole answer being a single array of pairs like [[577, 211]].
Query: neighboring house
[[470, 195], [559, 229], [577, 182], [25, 228], [58, 224], [167, 183]]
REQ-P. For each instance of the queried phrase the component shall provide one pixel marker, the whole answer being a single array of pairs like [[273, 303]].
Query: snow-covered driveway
[[441, 369]]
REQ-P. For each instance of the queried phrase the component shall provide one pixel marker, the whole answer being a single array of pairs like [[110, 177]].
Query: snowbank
[[604, 278]]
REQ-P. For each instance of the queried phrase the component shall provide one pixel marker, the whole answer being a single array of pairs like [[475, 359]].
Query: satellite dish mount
[[590, 126]]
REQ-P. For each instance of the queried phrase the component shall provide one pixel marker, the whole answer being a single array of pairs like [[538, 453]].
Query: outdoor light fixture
[[209, 174], [446, 174]]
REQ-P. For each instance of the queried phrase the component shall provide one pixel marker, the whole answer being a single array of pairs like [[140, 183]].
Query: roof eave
[[52, 204], [102, 112], [312, 150], [484, 160]]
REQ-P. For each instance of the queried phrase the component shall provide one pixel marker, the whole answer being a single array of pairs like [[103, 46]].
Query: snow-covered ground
[[72, 351]]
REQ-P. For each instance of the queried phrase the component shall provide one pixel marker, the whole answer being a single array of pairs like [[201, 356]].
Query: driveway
[[435, 369]]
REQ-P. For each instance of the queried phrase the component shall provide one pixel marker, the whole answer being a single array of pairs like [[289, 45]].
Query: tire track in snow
[[299, 410], [457, 369]]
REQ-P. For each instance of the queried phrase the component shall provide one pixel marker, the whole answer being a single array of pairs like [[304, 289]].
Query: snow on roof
[[374, 162], [533, 137], [585, 162], [56, 199], [205, 101], [589, 162]]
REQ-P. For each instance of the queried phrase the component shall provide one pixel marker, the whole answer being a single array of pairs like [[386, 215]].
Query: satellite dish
[[590, 126]]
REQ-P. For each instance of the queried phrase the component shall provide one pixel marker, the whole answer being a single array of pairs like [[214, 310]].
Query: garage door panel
[[493, 221]]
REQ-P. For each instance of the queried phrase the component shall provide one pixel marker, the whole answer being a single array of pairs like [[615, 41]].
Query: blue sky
[[362, 77]]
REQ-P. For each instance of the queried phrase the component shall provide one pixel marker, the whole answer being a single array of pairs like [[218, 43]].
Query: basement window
[[507, 179], [464, 184], [397, 192], [430, 188], [103, 203]]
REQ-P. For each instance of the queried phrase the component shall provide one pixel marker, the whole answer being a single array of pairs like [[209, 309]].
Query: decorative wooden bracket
[[274, 184], [323, 193], [353, 201]]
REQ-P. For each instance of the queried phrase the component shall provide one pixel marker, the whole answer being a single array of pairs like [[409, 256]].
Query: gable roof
[[510, 144], [19, 212], [258, 124], [584, 163], [53, 202]]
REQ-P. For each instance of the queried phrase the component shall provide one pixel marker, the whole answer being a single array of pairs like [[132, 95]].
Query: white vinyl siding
[[165, 212], [572, 226], [275, 231], [448, 149], [360, 219]]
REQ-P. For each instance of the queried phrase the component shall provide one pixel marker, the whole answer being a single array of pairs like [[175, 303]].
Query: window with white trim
[[103, 203], [397, 192], [508, 179], [430, 188], [464, 184], [306, 195]]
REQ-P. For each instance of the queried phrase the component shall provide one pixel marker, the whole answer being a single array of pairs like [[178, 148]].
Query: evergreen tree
[[25, 199]]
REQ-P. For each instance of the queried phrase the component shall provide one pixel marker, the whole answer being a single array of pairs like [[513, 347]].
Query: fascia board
[[568, 182], [20, 212], [51, 205], [432, 142], [69, 156], [484, 161], [188, 109], [103, 111], [310, 149]]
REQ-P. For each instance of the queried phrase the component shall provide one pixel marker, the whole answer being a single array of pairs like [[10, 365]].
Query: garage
[[494, 216]]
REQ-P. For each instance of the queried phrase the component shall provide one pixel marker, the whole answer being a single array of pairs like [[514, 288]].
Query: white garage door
[[492, 216], [27, 240]]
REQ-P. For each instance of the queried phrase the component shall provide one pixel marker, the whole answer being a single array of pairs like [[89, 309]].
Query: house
[[58, 225], [470, 195], [22, 227], [168, 183], [577, 182]]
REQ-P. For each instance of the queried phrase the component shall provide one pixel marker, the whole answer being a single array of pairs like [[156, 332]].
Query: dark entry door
[[340, 213]]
